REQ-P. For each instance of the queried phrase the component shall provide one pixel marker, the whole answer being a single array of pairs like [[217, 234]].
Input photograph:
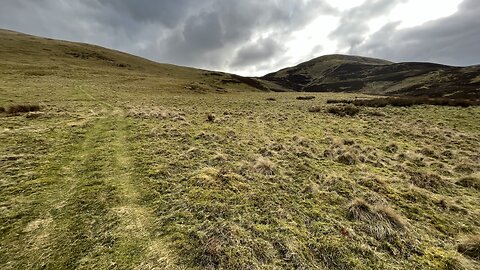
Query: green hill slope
[[28, 57], [342, 73]]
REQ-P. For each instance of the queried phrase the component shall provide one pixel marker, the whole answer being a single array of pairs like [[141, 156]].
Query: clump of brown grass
[[427, 180], [301, 141], [464, 168], [408, 101], [391, 148], [458, 263], [359, 209], [155, 112], [312, 189], [347, 158], [381, 222], [349, 152], [426, 151], [209, 247], [336, 101], [346, 110], [22, 108], [264, 166], [211, 117], [315, 109], [470, 246], [306, 98], [469, 182], [391, 216]]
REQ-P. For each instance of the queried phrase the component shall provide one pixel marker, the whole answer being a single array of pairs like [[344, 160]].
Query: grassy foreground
[[126, 169], [146, 181]]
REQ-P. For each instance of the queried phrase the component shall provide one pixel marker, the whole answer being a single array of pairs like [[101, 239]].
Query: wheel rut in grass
[[85, 211], [123, 229]]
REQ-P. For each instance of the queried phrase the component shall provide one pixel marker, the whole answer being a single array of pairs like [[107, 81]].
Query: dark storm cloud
[[239, 35], [452, 40], [230, 24], [354, 23], [168, 13], [256, 52], [205, 33]]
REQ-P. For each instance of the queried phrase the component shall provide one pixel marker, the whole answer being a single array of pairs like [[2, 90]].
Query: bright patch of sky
[[313, 40]]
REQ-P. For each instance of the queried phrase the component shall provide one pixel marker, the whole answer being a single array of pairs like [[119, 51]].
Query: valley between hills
[[112, 161]]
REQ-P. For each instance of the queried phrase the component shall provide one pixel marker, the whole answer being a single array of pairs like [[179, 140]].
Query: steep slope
[[29, 57], [342, 73]]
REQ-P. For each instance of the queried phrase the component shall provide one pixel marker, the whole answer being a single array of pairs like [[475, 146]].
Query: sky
[[252, 37]]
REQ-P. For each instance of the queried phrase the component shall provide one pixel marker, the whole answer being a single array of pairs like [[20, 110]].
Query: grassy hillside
[[25, 57], [127, 168], [343, 73]]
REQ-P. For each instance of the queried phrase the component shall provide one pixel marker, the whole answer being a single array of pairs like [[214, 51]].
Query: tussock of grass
[[315, 109], [470, 246], [407, 102], [349, 152], [336, 101], [156, 112], [391, 216], [470, 182], [465, 168], [382, 221], [302, 141], [427, 180], [391, 148], [359, 209], [211, 117], [306, 98], [22, 108], [347, 110], [264, 166], [347, 158]]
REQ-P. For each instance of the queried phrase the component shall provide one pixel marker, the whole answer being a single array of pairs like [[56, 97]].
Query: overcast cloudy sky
[[253, 37]]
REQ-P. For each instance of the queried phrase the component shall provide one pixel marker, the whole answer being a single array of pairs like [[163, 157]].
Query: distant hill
[[343, 73], [25, 56]]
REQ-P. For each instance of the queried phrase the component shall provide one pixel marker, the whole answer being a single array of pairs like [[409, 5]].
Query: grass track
[[88, 213]]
